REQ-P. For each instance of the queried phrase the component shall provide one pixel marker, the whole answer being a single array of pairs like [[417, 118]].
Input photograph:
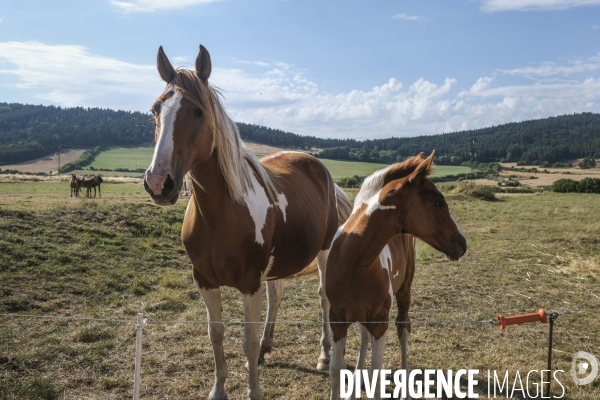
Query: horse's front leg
[[377, 349], [340, 332], [364, 344], [274, 294], [251, 341], [324, 358], [216, 332]]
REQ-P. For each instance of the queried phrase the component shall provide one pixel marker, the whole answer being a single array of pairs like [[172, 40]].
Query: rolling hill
[[33, 131]]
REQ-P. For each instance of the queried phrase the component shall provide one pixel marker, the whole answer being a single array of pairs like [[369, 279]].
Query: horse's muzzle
[[168, 190], [458, 248]]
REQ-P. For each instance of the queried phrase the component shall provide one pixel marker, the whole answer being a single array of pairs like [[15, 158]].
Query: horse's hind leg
[[324, 358], [274, 294], [216, 332]]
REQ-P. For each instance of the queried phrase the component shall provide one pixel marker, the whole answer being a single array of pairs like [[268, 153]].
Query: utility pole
[[58, 170]]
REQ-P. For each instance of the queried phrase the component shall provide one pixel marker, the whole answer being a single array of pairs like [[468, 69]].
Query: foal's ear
[[423, 169], [165, 69], [203, 64]]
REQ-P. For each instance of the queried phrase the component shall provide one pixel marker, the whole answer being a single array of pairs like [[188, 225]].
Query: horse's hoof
[[323, 365], [218, 395]]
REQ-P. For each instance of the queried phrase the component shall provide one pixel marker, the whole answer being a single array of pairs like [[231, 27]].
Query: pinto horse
[[248, 221], [372, 258]]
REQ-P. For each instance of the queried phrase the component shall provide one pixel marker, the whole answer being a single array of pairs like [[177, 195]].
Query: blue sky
[[361, 69]]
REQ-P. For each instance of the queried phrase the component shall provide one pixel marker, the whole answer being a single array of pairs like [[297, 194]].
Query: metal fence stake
[[141, 323]]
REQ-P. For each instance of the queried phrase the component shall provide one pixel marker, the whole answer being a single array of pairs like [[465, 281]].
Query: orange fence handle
[[541, 316]]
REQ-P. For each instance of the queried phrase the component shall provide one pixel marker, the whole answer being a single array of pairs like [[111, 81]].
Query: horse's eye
[[198, 113], [440, 204]]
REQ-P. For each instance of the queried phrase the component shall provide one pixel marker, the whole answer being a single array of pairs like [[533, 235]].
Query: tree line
[[31, 131]]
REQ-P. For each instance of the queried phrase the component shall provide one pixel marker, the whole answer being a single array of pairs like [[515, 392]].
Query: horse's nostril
[[168, 186]]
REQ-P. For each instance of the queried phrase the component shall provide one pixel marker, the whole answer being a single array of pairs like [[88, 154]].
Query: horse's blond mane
[[236, 162]]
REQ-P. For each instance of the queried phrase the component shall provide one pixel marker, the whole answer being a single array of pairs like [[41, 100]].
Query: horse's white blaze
[[258, 205], [385, 258], [163, 153]]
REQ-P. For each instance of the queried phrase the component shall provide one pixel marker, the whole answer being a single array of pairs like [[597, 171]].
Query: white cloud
[[528, 5], [70, 75], [405, 17], [281, 96], [551, 69], [1, 19], [155, 5]]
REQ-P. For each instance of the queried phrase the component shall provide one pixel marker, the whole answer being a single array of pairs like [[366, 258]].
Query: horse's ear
[[165, 69], [203, 64], [423, 169]]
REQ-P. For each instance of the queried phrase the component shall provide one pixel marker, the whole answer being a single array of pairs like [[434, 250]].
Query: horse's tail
[[344, 209]]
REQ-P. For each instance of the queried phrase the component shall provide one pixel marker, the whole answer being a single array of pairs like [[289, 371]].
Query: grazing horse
[[74, 182], [90, 184], [372, 258], [248, 221]]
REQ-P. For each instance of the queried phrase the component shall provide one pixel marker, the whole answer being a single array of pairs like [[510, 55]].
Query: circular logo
[[584, 363]]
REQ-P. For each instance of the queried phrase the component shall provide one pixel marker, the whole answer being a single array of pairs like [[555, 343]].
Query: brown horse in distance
[[372, 258], [248, 221], [74, 183], [91, 183]]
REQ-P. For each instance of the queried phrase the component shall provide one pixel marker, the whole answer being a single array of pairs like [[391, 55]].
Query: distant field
[[339, 169], [48, 163], [123, 157], [140, 157]]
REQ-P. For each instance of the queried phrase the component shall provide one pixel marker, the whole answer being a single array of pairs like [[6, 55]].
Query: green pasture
[[124, 157], [140, 157], [118, 255]]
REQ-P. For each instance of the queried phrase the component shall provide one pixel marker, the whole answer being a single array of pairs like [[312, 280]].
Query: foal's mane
[[236, 162], [374, 183]]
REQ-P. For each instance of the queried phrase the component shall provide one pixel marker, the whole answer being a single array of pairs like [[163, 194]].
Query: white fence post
[[141, 323]]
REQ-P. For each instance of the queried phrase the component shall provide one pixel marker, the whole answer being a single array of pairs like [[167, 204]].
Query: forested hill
[[547, 140], [28, 131]]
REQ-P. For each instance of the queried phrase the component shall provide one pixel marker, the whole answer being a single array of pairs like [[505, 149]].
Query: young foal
[[372, 257], [247, 221]]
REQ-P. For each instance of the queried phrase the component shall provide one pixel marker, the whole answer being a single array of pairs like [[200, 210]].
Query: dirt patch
[[48, 163]]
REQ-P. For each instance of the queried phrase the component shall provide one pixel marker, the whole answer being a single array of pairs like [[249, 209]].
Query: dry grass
[[119, 255], [48, 163]]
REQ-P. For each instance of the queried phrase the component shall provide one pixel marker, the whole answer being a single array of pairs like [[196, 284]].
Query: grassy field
[[114, 256], [121, 157], [140, 157]]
